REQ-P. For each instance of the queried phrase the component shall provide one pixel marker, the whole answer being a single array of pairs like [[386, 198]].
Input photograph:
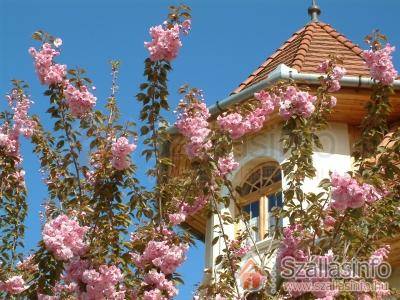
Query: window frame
[[262, 195]]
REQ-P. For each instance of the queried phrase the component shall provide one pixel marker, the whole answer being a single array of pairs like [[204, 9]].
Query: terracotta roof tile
[[306, 49]]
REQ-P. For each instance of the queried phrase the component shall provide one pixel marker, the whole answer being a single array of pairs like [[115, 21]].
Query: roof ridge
[[270, 58], [303, 47], [341, 38], [279, 50]]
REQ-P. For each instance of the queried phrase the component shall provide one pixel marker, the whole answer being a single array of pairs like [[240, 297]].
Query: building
[[260, 154]]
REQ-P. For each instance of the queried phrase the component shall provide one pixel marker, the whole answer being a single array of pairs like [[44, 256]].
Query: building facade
[[260, 154]]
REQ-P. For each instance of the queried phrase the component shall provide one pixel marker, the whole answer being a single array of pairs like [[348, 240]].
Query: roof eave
[[283, 72]]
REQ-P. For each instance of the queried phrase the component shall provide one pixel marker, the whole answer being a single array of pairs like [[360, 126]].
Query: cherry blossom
[[296, 103], [381, 65], [102, 283], [64, 237], [120, 149], [14, 285], [239, 248], [192, 123], [293, 236], [329, 222], [185, 209], [234, 124], [163, 255], [186, 26], [161, 283], [237, 125], [177, 218], [348, 193], [335, 73], [154, 294], [165, 42], [80, 101], [227, 164], [49, 72], [22, 123], [379, 256]]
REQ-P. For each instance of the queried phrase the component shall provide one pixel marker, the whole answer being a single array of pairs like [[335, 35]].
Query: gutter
[[283, 72]]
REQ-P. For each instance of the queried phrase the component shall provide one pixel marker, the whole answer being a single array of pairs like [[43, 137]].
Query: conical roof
[[306, 49]]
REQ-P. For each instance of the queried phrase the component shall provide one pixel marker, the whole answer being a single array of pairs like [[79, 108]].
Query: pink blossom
[[293, 236], [158, 280], [295, 102], [20, 104], [329, 222], [74, 269], [334, 86], [338, 72], [10, 143], [334, 77], [102, 284], [234, 124], [177, 218], [227, 164], [257, 117], [22, 124], [371, 194], [167, 258], [239, 248], [165, 42], [348, 193], [237, 125], [64, 237], [335, 73], [14, 285], [192, 123], [80, 101], [3, 140], [332, 102], [49, 73], [163, 255], [380, 64], [120, 150], [267, 101], [379, 256], [155, 294], [197, 205], [185, 209], [186, 26]]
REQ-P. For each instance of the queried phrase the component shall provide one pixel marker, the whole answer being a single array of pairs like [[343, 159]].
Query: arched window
[[260, 192]]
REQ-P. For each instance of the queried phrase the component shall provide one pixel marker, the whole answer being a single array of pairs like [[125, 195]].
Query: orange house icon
[[250, 276]]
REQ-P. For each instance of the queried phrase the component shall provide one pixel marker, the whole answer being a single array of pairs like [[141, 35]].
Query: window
[[260, 193], [253, 209]]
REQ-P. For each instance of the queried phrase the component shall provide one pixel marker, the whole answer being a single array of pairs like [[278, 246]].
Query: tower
[[259, 177]]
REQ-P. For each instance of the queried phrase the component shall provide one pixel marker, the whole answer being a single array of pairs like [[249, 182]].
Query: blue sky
[[228, 41]]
